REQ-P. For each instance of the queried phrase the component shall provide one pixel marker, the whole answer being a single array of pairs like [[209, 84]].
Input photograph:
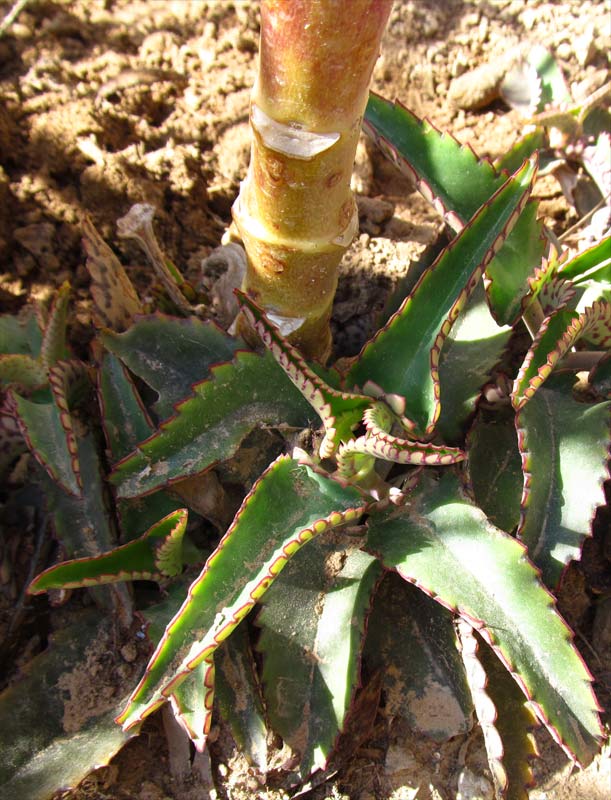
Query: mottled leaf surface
[[239, 696], [113, 293], [38, 756], [412, 640], [564, 446], [171, 354], [209, 426], [313, 619], [448, 548]]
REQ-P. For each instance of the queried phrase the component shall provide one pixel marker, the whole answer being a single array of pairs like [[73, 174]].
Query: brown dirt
[[104, 103]]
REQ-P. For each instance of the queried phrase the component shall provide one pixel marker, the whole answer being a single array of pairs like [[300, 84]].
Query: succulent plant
[[415, 545]]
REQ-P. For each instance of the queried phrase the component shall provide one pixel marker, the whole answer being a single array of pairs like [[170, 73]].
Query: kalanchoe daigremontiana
[[417, 540]]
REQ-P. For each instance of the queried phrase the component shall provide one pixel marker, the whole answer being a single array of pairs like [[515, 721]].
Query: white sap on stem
[[291, 140]]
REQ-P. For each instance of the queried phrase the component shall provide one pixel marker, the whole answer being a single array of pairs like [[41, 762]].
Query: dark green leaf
[[20, 333], [448, 548], [40, 752], [171, 354], [313, 619], [209, 426], [239, 696], [565, 446], [402, 359], [524, 148], [287, 507], [411, 639], [495, 469], [451, 177], [504, 716], [124, 417]]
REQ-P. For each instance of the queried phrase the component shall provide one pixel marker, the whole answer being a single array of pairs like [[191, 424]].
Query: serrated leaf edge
[[525, 457], [175, 533], [114, 476], [206, 651], [319, 394], [580, 326], [480, 626], [464, 295]]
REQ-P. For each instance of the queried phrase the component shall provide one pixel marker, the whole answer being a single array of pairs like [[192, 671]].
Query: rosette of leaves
[[433, 496]]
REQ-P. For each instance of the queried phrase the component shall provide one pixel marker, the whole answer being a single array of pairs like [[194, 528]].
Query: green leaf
[[450, 176], [313, 618], [209, 427], [473, 348], [47, 429], [339, 411], [39, 756], [524, 148], [54, 347], [412, 640], [171, 354], [239, 696], [83, 524], [595, 262], [556, 336], [124, 417], [22, 370], [155, 555], [447, 547], [504, 716], [378, 442], [565, 446], [20, 333], [554, 90], [287, 507], [495, 468], [403, 358]]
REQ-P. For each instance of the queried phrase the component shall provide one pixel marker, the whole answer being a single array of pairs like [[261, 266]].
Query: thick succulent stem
[[295, 212]]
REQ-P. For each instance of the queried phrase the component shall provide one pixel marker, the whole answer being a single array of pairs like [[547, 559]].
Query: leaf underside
[[564, 446], [403, 357], [288, 506], [447, 547], [47, 429], [313, 619], [239, 696]]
